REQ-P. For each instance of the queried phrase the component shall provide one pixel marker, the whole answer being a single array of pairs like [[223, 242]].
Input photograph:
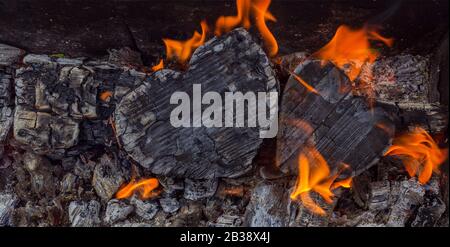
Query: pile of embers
[[75, 131]]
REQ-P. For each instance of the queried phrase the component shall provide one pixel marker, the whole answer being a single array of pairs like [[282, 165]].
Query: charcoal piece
[[9, 55], [84, 214], [64, 97], [171, 185], [299, 215], [429, 212], [169, 205], [229, 63], [44, 133], [227, 221], [198, 189], [41, 173], [379, 195], [68, 183], [405, 85], [117, 211], [404, 195], [268, 206], [8, 202], [145, 209], [108, 177], [189, 215], [341, 126], [6, 103]]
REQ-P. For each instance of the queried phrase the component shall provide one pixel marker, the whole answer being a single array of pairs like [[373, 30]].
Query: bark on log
[[229, 63], [343, 128]]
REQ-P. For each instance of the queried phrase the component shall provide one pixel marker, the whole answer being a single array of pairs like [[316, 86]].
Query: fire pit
[[234, 113]]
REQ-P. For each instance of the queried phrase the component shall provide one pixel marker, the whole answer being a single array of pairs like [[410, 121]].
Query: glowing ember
[[350, 49], [419, 152], [314, 175], [304, 83], [104, 96], [258, 9], [182, 50], [159, 66], [145, 187]]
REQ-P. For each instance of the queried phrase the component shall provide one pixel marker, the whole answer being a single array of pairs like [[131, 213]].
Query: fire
[[224, 24], [182, 50], [159, 66], [258, 9], [145, 187], [304, 83], [104, 96], [350, 49], [314, 175], [261, 15], [419, 152]]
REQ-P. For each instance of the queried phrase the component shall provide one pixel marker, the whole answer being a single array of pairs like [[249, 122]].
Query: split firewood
[[318, 107], [9, 57], [230, 63], [61, 103], [404, 85]]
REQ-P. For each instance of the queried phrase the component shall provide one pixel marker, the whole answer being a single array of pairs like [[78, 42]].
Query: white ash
[[198, 189], [145, 209], [117, 210], [7, 203], [84, 214]]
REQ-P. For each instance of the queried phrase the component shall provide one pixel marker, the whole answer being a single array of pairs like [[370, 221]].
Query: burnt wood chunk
[[230, 63], [9, 58], [406, 86], [341, 126], [60, 103]]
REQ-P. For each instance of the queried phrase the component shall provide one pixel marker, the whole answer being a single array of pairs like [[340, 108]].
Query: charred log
[[233, 62]]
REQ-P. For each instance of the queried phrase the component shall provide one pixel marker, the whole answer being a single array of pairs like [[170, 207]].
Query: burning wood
[[420, 153], [142, 116], [72, 130]]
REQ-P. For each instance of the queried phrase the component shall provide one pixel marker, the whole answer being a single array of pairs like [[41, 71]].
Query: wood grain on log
[[229, 63], [343, 127]]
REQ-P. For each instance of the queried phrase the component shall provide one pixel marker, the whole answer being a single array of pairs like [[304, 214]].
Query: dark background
[[90, 28]]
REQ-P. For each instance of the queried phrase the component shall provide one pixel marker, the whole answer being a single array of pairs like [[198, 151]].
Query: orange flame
[[419, 152], [259, 10], [350, 49], [261, 15], [304, 83], [144, 186], [182, 50], [104, 96], [159, 66], [314, 175], [224, 24]]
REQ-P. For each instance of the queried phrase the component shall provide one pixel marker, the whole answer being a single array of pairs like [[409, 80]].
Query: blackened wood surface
[[231, 63], [342, 127]]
